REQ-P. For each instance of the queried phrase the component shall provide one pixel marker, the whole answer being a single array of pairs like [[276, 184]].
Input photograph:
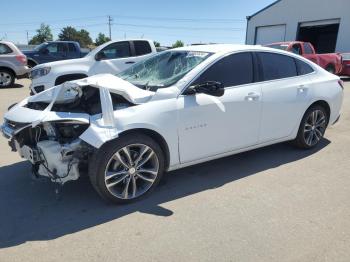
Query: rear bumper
[[22, 72]]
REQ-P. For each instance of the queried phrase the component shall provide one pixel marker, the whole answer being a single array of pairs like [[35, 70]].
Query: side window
[[4, 49], [307, 49], [52, 48], [303, 68], [296, 49], [233, 70], [116, 50], [142, 48], [71, 48], [276, 66]]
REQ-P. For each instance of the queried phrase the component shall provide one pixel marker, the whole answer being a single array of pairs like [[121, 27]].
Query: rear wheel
[[312, 128], [7, 78], [127, 169]]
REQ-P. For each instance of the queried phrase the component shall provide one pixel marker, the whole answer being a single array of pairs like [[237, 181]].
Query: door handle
[[302, 88], [252, 96], [130, 62]]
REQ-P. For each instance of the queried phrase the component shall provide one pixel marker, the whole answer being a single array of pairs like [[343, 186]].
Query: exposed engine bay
[[59, 129]]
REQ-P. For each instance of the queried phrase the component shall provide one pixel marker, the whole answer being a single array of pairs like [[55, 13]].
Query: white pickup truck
[[111, 57]]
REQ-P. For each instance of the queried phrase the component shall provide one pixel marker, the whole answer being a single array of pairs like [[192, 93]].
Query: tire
[[121, 181], [330, 69], [7, 78], [312, 127]]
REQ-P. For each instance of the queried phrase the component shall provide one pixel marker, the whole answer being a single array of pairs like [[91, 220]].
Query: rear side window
[[276, 66], [307, 49], [4, 49], [303, 68], [233, 70], [142, 48], [71, 48], [116, 50]]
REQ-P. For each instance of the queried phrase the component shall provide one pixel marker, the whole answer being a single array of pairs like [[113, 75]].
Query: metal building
[[324, 23]]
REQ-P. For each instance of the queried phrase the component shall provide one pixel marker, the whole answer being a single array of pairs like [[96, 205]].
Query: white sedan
[[175, 109]]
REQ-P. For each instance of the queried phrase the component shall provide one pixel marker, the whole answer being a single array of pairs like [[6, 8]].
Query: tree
[[69, 33], [178, 43], [101, 39], [43, 35], [156, 44]]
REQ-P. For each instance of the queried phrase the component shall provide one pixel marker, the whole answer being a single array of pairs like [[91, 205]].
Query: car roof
[[222, 48], [12, 46]]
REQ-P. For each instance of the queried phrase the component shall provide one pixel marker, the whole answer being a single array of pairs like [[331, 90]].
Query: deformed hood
[[117, 86], [110, 82]]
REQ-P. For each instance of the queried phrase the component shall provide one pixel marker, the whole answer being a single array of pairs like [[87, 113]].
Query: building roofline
[[262, 10]]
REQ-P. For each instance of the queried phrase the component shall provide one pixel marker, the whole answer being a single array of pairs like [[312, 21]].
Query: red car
[[346, 65], [331, 62]]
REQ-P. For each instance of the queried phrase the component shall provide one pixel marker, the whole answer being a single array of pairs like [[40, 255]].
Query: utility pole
[[27, 38], [110, 20]]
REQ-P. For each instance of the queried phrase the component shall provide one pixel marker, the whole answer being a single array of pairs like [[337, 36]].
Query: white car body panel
[[198, 128]]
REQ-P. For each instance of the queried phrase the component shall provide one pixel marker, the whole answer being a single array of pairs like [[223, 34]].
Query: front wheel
[[312, 128], [127, 169]]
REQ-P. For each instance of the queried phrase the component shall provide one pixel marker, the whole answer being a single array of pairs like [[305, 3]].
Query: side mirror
[[100, 56], [211, 88]]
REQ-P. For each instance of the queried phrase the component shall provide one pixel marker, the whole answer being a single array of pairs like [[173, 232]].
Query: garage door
[[270, 34], [322, 34]]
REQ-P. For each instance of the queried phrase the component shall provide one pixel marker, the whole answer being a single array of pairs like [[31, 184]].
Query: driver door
[[210, 125]]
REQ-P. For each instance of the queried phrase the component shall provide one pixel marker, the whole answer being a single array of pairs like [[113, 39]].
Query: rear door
[[73, 52], [285, 89], [141, 50]]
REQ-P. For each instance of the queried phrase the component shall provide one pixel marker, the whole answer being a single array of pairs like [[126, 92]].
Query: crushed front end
[[54, 149], [59, 129]]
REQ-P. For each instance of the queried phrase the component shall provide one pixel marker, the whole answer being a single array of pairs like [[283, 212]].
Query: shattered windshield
[[163, 69]]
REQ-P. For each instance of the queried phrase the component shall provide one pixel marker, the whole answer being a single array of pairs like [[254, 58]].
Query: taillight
[[341, 83], [22, 59]]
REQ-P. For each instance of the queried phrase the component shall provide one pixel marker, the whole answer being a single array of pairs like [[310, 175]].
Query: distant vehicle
[[54, 51], [111, 57], [162, 48], [331, 62], [346, 65], [13, 64], [178, 108]]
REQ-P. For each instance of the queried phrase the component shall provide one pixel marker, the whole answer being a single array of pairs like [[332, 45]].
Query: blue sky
[[220, 21]]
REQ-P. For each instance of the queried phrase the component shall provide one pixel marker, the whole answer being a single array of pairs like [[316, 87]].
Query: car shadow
[[31, 212], [15, 85]]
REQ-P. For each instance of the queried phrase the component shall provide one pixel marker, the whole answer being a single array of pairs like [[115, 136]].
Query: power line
[[172, 19], [184, 27], [212, 20]]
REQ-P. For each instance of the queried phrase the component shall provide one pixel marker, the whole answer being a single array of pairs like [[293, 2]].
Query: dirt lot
[[271, 204]]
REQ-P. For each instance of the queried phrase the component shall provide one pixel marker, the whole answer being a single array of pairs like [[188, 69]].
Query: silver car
[[13, 64]]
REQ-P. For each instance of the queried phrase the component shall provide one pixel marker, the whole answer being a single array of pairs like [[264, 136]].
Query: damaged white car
[[178, 108]]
